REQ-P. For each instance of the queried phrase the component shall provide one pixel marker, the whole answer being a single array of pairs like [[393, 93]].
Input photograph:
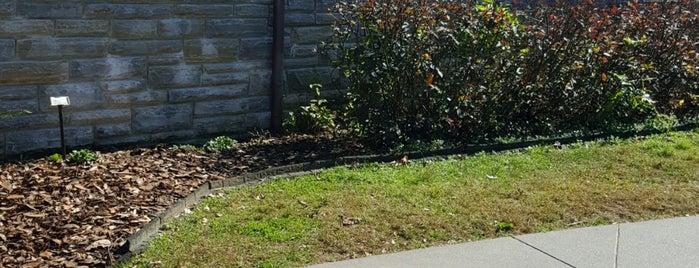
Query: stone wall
[[147, 71]]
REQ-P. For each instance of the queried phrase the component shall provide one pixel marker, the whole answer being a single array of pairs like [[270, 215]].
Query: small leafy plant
[[503, 226], [83, 156], [8, 114], [314, 118], [221, 143], [55, 158], [662, 122], [13, 113]]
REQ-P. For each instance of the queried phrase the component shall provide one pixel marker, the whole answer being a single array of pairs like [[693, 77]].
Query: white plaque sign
[[62, 100]]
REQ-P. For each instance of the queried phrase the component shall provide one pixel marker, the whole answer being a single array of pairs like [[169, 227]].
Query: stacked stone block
[[308, 23], [148, 71]]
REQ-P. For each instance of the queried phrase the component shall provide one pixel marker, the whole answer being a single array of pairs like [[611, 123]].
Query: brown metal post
[[277, 67], [63, 139]]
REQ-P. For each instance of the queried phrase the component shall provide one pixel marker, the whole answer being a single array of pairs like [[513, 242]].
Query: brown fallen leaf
[[80, 187], [146, 187], [347, 221], [15, 196], [102, 243], [30, 206], [403, 160], [184, 175], [34, 215], [33, 264], [7, 185]]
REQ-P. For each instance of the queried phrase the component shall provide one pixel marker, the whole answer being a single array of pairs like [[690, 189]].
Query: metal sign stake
[[60, 102]]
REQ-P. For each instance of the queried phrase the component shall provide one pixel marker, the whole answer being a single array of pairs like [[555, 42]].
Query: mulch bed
[[70, 215]]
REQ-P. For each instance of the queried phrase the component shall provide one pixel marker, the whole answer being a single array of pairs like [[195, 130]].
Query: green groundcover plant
[[83, 156], [221, 144]]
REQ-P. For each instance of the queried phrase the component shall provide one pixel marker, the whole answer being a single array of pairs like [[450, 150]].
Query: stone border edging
[[139, 240]]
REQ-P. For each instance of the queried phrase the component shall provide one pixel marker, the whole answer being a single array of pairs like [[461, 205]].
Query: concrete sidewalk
[[660, 243]]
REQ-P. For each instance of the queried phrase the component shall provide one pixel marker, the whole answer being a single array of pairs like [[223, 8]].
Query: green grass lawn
[[350, 212]]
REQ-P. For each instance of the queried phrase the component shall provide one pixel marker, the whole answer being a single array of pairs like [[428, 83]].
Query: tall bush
[[476, 70]]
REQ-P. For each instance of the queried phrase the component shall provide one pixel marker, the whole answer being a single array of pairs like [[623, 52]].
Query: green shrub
[[315, 118], [220, 144], [83, 156], [466, 71]]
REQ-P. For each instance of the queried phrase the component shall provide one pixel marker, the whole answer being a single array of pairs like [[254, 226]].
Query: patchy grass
[[350, 212]]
